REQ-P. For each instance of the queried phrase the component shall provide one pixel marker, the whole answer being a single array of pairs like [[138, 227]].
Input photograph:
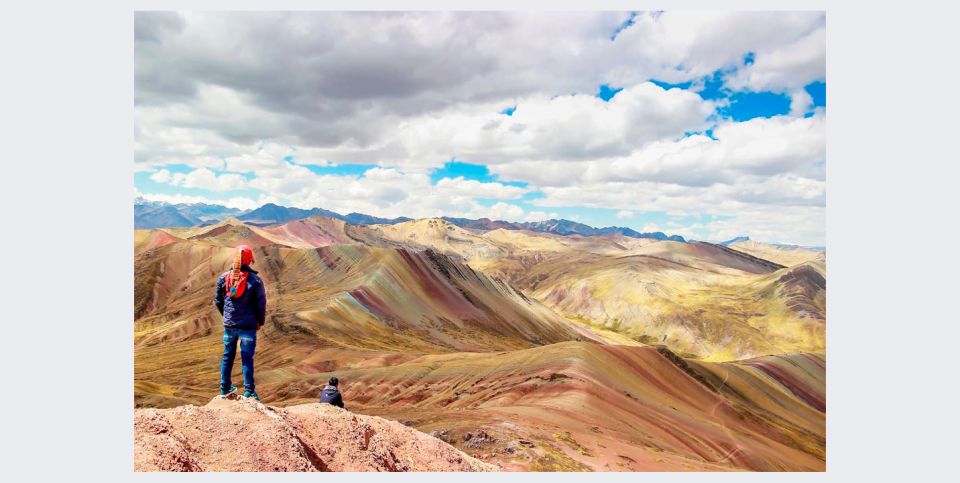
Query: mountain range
[[156, 214], [741, 240], [543, 346]]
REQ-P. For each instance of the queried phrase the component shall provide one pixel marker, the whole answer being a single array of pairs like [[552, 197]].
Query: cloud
[[202, 178], [239, 202], [739, 153], [380, 191], [540, 216], [624, 214], [541, 173], [759, 212], [152, 26], [800, 102], [557, 128], [687, 45], [342, 82], [161, 176], [476, 189], [256, 101], [790, 67], [499, 211], [792, 225], [760, 147]]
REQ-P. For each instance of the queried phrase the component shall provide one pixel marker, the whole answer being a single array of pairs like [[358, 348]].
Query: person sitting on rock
[[242, 300], [330, 394]]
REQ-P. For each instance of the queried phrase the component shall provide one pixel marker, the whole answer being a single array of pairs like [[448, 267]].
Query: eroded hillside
[[530, 350]]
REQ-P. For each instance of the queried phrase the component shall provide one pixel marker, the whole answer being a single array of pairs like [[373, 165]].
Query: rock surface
[[232, 434]]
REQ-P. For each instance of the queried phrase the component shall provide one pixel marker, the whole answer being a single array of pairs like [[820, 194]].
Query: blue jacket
[[331, 395], [248, 311]]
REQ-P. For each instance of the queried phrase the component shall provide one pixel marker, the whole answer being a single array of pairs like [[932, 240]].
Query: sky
[[708, 125]]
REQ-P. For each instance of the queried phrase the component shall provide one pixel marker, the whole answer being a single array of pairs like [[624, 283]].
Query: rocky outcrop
[[231, 434]]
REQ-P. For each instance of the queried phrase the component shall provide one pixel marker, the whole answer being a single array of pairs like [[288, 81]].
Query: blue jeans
[[248, 345]]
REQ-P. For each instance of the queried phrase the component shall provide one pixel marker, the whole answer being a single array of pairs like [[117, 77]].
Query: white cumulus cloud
[[256, 101]]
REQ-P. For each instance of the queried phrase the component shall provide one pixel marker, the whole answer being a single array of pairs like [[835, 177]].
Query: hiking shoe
[[248, 394], [231, 391]]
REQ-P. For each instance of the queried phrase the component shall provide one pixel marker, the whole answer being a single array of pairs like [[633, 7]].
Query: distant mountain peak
[[153, 214], [735, 240], [274, 213], [558, 226]]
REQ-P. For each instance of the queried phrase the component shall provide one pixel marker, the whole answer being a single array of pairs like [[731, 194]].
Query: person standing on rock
[[242, 300], [330, 394]]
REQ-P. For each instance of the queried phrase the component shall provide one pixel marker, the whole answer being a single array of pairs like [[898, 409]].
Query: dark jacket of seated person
[[331, 395]]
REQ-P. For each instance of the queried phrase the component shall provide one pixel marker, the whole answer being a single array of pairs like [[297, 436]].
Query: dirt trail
[[230, 434]]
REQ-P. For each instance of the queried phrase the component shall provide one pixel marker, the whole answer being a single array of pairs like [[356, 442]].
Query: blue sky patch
[[179, 168], [667, 85], [477, 172], [745, 105], [706, 132], [817, 91], [355, 170], [748, 105], [454, 169], [532, 195], [606, 92], [713, 87], [509, 111]]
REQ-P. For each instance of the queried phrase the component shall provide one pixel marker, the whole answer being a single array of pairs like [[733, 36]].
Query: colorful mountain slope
[[312, 232], [442, 236], [786, 256], [586, 406], [698, 298], [423, 324], [698, 308], [346, 296], [144, 240]]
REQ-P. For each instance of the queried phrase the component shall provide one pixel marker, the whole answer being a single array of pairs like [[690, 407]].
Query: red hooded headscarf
[[237, 279]]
